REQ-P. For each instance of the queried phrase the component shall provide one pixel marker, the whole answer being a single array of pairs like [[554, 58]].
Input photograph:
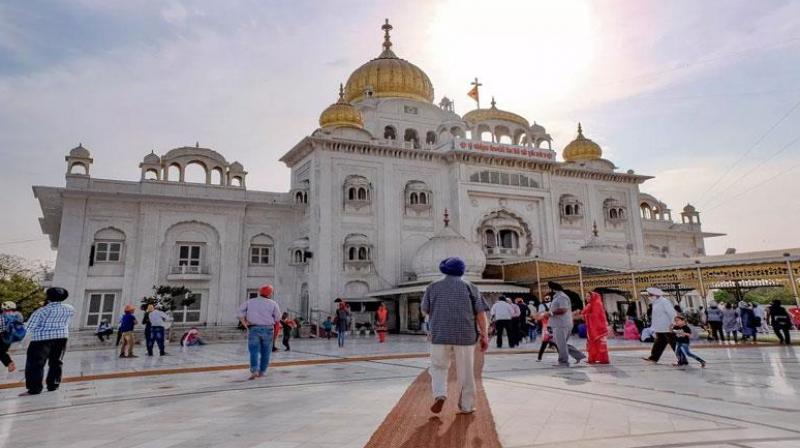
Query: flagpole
[[477, 93]]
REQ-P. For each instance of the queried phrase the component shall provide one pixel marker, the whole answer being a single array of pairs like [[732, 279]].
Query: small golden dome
[[388, 76], [582, 148], [476, 116], [341, 114]]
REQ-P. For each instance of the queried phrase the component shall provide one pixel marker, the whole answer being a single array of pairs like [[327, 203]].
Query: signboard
[[505, 149]]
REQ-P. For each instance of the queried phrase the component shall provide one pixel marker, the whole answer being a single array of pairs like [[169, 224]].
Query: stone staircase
[[86, 339]]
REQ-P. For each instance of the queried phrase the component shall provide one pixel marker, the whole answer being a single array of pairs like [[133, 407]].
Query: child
[[286, 325], [327, 325], [126, 326], [11, 319], [682, 334]]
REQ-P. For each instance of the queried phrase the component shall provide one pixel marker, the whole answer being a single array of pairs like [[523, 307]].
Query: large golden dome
[[582, 148], [341, 114], [388, 76], [476, 116]]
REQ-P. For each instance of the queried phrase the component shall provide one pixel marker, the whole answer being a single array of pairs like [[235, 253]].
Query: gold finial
[[493, 103], [580, 130], [387, 42], [341, 92], [446, 218]]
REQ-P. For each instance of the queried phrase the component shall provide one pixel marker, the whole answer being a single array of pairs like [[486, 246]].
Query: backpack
[[14, 331]]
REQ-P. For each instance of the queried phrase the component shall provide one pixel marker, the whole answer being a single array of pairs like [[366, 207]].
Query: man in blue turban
[[457, 322]]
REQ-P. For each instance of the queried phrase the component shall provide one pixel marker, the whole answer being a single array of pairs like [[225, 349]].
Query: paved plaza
[[747, 397]]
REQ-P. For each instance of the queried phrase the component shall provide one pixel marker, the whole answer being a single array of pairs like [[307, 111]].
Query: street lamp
[[791, 278], [580, 278]]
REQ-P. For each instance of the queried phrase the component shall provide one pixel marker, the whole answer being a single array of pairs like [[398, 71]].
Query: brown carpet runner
[[410, 424]]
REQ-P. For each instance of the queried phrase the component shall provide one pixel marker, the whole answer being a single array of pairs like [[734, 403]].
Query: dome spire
[[387, 42], [494, 103], [580, 130], [341, 93]]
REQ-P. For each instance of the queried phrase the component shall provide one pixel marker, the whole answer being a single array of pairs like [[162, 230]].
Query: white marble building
[[368, 189]]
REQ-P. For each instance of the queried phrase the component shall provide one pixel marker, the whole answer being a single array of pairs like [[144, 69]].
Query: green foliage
[[722, 296], [20, 283], [169, 297], [767, 295]]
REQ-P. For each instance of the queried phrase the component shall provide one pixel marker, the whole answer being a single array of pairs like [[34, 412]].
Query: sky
[[705, 96]]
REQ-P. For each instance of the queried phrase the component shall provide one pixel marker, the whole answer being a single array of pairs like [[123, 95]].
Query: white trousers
[[440, 364]]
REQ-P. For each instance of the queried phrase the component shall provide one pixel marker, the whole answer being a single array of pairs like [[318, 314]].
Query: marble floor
[[747, 397]]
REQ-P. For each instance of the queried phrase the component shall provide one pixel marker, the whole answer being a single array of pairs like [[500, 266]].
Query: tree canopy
[[20, 282]]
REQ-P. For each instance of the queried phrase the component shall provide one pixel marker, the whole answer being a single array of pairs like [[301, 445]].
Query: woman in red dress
[[382, 322], [594, 314]]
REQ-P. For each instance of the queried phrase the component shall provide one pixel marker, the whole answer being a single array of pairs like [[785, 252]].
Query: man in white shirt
[[661, 321], [501, 312], [158, 320]]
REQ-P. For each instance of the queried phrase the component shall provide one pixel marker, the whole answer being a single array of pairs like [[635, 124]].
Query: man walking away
[[501, 313], [457, 321], [49, 329], [514, 335], [561, 322], [259, 316], [663, 315], [715, 322], [158, 318], [524, 315]]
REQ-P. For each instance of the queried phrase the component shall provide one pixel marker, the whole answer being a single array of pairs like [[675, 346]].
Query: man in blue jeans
[[259, 315]]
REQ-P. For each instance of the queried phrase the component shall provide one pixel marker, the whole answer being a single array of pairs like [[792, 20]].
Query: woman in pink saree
[[594, 314]]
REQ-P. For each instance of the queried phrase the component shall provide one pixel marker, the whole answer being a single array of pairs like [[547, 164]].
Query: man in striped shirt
[[48, 328]]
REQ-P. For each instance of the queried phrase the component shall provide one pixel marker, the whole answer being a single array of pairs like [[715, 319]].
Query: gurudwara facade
[[389, 183]]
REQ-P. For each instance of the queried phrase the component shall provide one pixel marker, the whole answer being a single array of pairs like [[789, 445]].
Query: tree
[[765, 296], [20, 282], [722, 296], [169, 297]]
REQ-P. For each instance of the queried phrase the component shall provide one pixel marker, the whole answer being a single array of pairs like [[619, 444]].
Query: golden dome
[[582, 149], [388, 76], [476, 116], [341, 113]]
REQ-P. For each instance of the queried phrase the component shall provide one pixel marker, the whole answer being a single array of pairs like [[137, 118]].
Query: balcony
[[186, 272], [502, 252]]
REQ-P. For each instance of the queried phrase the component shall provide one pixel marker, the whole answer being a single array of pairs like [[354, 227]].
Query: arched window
[[174, 173], [414, 199], [486, 136], [107, 246], [505, 139], [568, 210], [351, 194], [646, 211], [362, 194], [389, 133], [412, 136], [423, 198], [509, 239], [196, 173], [78, 168], [236, 181], [362, 254], [216, 176], [151, 175], [357, 194], [352, 254], [298, 256], [491, 240], [357, 251], [430, 137], [261, 250], [612, 213]]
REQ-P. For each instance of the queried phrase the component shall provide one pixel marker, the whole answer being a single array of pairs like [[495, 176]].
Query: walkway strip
[[410, 424], [308, 362]]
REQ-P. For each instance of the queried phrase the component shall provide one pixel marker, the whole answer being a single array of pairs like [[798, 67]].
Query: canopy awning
[[488, 287]]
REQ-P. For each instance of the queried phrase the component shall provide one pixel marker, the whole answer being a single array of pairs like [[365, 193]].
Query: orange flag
[[473, 93]]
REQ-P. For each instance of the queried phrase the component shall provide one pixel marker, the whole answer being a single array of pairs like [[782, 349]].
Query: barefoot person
[[594, 314], [48, 328], [382, 322], [560, 315], [259, 316], [663, 315], [457, 321]]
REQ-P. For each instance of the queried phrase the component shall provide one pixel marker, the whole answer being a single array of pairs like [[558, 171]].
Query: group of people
[[727, 322], [669, 328]]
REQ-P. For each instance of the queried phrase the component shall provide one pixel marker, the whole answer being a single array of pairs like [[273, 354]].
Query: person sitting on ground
[[631, 330], [12, 330], [327, 327], [104, 330], [192, 338]]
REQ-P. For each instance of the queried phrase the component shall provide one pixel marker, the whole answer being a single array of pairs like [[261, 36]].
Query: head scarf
[[452, 266], [653, 291], [555, 286]]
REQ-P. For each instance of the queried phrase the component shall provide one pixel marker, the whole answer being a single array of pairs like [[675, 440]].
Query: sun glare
[[525, 52]]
